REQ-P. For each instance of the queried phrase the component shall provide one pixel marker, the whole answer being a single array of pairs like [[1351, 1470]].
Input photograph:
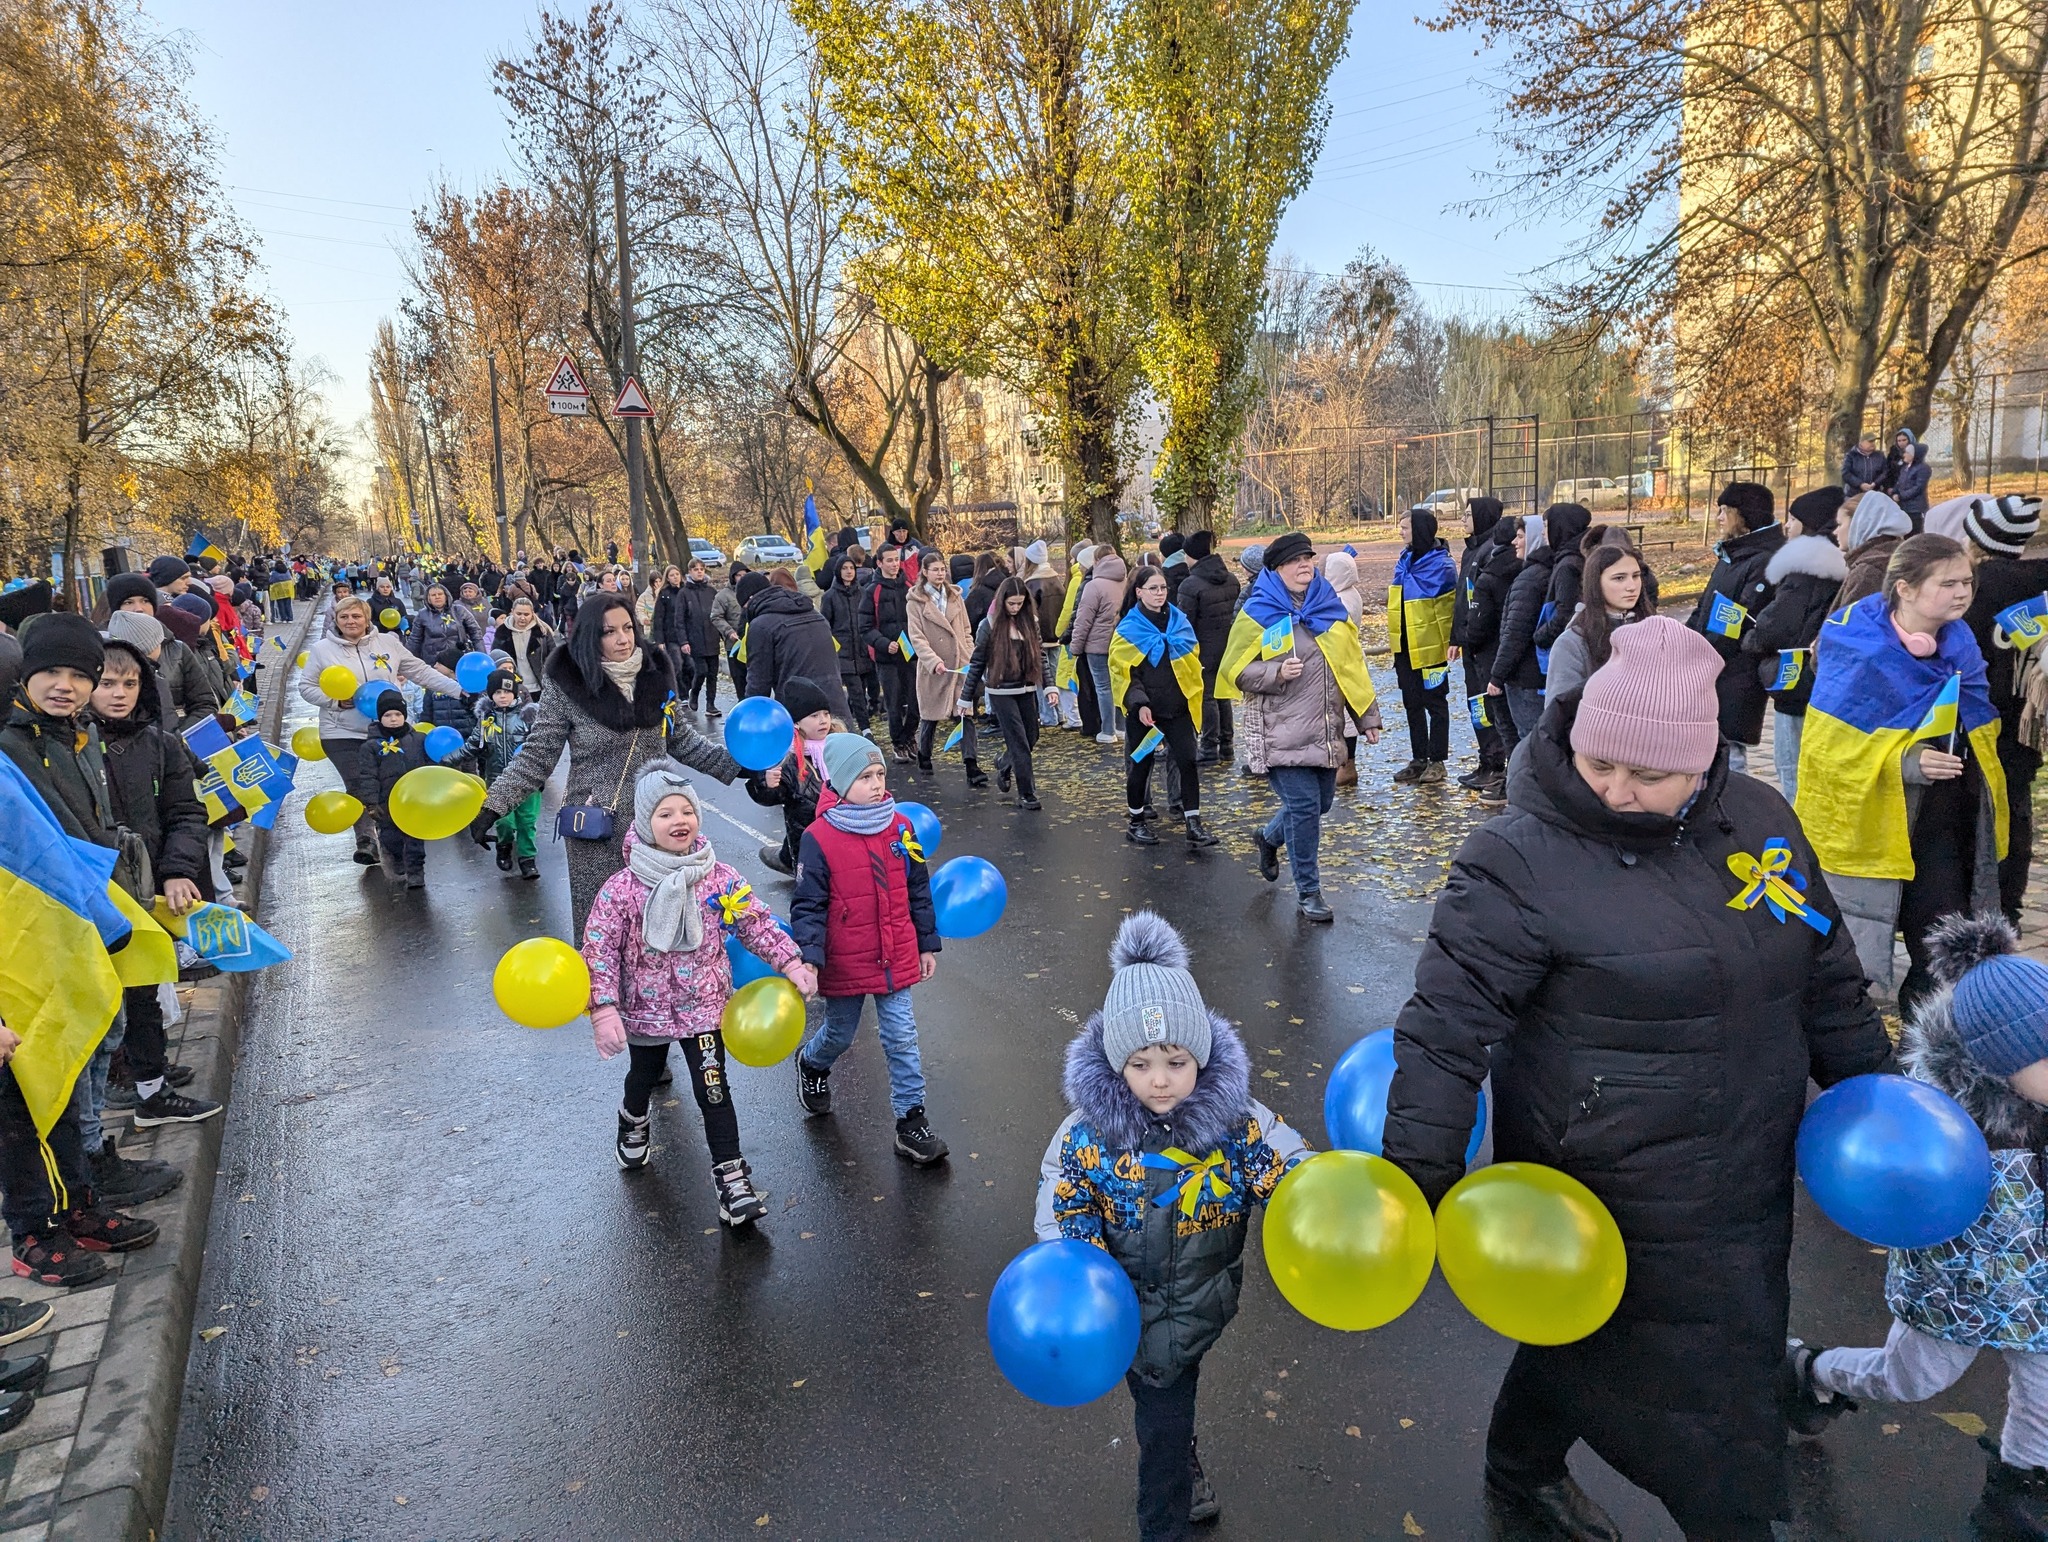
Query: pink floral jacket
[[674, 995]]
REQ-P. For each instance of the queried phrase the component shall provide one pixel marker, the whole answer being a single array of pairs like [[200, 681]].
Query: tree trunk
[[1199, 513], [74, 514], [1855, 367]]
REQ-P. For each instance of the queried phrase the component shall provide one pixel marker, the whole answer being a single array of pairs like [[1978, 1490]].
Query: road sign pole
[[498, 473], [636, 471]]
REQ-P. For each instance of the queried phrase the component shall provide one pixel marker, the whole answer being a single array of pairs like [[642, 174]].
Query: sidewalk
[[92, 1463]]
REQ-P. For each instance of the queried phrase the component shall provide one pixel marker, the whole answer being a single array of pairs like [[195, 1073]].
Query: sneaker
[[976, 777], [813, 1088], [179, 1075], [632, 1142], [101, 1229], [504, 857], [21, 1320], [529, 869], [416, 882], [121, 1096], [1495, 793], [171, 1107], [368, 857], [1412, 772], [902, 753], [1105, 738], [1432, 773], [738, 1204], [771, 856], [1030, 805], [24, 1373], [1476, 778], [1205, 1506], [915, 1140], [2014, 1503], [52, 1256], [120, 1182], [1808, 1409], [15, 1407], [712, 712]]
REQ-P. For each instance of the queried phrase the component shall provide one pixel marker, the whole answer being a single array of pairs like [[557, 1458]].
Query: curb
[[119, 1474]]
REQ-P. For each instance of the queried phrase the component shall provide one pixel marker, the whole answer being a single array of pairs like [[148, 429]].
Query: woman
[[1805, 574], [1500, 562], [605, 699], [664, 623], [1900, 786], [1155, 672], [1420, 600], [1095, 619], [1295, 660], [1612, 595], [527, 640], [368, 655], [1009, 662], [988, 577], [1909, 482], [844, 607], [1516, 680], [1077, 705], [1875, 530], [442, 624], [788, 640], [936, 618], [387, 605], [1341, 569], [1654, 1042], [728, 620]]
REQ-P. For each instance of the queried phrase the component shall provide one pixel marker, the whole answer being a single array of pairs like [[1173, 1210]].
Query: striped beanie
[[2002, 526]]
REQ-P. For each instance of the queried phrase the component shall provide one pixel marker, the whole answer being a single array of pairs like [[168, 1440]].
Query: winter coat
[[1209, 596], [682, 618], [796, 793], [1909, 486], [1860, 466], [981, 596], [379, 603], [885, 617], [1100, 607], [377, 656], [847, 610], [944, 644], [1298, 722], [1739, 576], [191, 691], [541, 642], [457, 711], [494, 741], [1514, 658], [787, 638], [862, 912], [1866, 565], [728, 619], [1571, 661], [1018, 683], [1563, 524], [151, 777], [2004, 581], [1093, 1187], [1655, 1044], [434, 632], [675, 995], [63, 759], [386, 755], [1492, 580], [1486, 513], [1804, 574]]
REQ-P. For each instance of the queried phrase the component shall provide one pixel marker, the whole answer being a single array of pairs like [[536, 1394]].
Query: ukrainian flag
[[1872, 701], [2023, 624], [1791, 665], [814, 536], [1420, 601], [202, 547], [1137, 640], [1321, 615], [1726, 618]]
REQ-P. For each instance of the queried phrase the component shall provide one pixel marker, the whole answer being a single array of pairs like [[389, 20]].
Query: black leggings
[[1429, 712], [704, 1057], [1181, 735], [1944, 846], [145, 1044], [1017, 722]]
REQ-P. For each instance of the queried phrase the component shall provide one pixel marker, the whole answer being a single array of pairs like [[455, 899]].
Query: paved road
[[448, 1315]]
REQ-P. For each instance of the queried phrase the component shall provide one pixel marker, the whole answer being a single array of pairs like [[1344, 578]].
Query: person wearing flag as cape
[[1295, 661], [1900, 786], [1420, 601], [1155, 675]]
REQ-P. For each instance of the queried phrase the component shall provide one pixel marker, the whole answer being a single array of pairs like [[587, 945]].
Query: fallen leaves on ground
[[1354, 1432], [208, 1335], [1969, 1423], [1410, 1526]]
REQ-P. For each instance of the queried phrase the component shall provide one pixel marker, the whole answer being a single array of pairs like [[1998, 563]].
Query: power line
[[275, 192]]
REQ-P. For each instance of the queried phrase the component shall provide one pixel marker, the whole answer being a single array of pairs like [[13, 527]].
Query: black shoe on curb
[[172, 1107], [1139, 833], [1198, 833], [2014, 1504], [119, 1182], [813, 1088], [178, 1075], [14, 1408], [1315, 908], [915, 1140], [1549, 1512], [1204, 1506], [771, 856], [632, 1147], [505, 856], [1807, 1409], [52, 1256], [1269, 859], [738, 1204], [24, 1373], [21, 1320], [528, 868], [102, 1229]]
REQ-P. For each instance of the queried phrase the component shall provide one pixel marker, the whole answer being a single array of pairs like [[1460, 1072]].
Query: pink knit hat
[[1652, 704]]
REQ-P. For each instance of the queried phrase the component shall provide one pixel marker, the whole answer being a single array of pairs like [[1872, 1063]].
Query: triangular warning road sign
[[632, 402], [565, 381]]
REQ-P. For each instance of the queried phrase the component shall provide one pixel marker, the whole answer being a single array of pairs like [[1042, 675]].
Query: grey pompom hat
[[1152, 998]]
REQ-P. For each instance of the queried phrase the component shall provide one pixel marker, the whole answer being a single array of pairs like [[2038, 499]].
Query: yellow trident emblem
[[1211, 1172]]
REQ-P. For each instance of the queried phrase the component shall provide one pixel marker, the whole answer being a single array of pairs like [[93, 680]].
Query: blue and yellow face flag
[[2026, 623], [1725, 618]]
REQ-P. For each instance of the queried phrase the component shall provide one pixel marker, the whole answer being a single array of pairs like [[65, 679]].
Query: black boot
[[976, 777], [1269, 859], [1558, 1511], [505, 856], [528, 868], [1198, 833], [1002, 776], [2014, 1504], [1139, 833]]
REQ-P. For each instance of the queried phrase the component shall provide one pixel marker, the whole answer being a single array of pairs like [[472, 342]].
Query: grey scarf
[[673, 921]]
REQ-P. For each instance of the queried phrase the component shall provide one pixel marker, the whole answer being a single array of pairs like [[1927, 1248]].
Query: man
[[1736, 594], [885, 622], [905, 541], [1863, 468], [843, 604], [171, 575], [1481, 515], [1996, 532]]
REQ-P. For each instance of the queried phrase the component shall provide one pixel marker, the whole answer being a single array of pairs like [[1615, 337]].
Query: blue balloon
[[1355, 1101], [367, 694], [473, 671], [758, 732], [747, 966], [1063, 1322], [443, 743], [968, 895], [924, 824], [1894, 1161]]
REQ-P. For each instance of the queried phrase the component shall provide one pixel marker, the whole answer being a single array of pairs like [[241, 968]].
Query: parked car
[[766, 551], [712, 558], [1591, 492], [1448, 503]]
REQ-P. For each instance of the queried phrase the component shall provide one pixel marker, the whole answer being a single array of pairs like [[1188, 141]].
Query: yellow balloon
[[764, 1022], [1349, 1240], [388, 617], [300, 661], [306, 743], [1531, 1252], [339, 682], [434, 801], [541, 983], [332, 812]]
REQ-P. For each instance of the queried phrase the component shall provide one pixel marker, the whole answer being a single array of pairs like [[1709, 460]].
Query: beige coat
[[941, 640]]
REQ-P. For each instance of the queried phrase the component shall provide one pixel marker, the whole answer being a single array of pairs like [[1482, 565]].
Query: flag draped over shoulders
[[1320, 612], [1420, 600], [1138, 638], [1872, 701]]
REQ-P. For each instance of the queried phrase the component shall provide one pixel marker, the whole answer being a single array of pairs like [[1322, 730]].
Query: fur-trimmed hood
[[1932, 1050], [651, 690], [1213, 1112], [1814, 555]]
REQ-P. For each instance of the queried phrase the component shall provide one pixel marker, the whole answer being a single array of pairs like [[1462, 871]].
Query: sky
[[335, 120]]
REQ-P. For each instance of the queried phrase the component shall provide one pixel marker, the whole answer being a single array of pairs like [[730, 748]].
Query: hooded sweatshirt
[[1875, 530]]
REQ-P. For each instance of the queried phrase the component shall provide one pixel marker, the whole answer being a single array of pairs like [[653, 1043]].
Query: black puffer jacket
[[1514, 658], [787, 638], [847, 608], [682, 617], [982, 595], [1804, 575], [1209, 596], [2004, 581], [387, 754], [63, 758], [1478, 547], [885, 616], [1739, 576], [151, 774], [1655, 1044], [1491, 583], [1563, 526]]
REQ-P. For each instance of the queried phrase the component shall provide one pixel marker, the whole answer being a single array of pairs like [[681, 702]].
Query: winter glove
[[609, 1029]]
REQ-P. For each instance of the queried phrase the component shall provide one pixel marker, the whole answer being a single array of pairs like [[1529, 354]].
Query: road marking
[[744, 828]]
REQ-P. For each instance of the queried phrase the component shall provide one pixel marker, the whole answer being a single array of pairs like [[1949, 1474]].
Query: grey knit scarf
[[673, 921]]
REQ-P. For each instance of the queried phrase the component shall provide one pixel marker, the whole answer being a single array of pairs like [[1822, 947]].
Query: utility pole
[[434, 489], [498, 471], [629, 355]]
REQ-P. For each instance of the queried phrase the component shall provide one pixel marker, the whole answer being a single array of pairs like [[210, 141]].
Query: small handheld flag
[[903, 642], [243, 706], [1277, 638], [1152, 740], [953, 739], [1941, 716], [1475, 707], [1725, 618], [1433, 679], [2026, 623], [1791, 669]]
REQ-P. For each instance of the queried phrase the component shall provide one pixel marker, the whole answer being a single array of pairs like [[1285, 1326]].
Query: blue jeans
[[1525, 706], [898, 1028], [1098, 670], [89, 1092], [1786, 727], [1306, 793]]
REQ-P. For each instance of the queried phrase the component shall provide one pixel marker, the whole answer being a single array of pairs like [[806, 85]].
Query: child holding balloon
[[659, 973], [1983, 1040], [500, 729], [798, 783], [1159, 1165], [391, 750]]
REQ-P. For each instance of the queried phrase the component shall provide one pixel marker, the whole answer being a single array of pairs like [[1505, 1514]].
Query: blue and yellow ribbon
[[1772, 881], [1211, 1172], [735, 902], [907, 843]]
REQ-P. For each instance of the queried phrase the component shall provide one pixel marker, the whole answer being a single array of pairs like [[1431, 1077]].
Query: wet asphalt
[[448, 1315]]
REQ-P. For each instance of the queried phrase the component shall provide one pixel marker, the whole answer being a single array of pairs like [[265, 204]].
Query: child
[[452, 710], [659, 974], [391, 750], [500, 729], [1157, 1071], [863, 915], [797, 783], [1982, 1037]]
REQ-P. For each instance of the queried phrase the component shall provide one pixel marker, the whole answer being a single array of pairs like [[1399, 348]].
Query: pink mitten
[[609, 1029]]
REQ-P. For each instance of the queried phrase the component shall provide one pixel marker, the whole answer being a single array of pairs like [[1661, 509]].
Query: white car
[[712, 558], [766, 551]]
